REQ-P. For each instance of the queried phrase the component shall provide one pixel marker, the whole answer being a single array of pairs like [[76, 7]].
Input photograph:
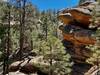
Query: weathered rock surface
[[95, 70], [28, 66], [77, 35]]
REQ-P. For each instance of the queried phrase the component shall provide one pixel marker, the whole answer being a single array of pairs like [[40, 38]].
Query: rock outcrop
[[77, 34]]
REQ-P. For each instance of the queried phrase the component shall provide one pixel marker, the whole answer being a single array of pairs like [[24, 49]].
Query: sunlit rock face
[[80, 15]]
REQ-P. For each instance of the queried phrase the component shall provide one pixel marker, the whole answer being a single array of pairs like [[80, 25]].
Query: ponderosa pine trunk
[[22, 24]]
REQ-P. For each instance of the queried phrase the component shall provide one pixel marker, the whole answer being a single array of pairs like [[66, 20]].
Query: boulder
[[14, 66], [28, 68], [94, 70]]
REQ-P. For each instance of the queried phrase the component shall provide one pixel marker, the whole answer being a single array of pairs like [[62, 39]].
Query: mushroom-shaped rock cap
[[81, 15], [66, 18]]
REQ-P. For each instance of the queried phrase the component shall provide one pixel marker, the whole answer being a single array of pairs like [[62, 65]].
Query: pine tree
[[56, 56], [40, 28], [51, 48], [5, 35]]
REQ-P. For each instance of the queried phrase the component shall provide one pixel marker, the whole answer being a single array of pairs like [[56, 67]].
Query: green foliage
[[41, 33], [53, 51], [3, 28], [3, 31], [95, 58], [47, 44]]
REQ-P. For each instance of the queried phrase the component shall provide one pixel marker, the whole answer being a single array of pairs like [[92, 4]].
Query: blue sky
[[54, 4]]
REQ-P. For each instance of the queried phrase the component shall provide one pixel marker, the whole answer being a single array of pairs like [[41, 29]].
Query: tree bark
[[22, 24], [8, 40]]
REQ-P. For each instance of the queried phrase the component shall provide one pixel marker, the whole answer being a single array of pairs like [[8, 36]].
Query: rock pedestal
[[77, 35]]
